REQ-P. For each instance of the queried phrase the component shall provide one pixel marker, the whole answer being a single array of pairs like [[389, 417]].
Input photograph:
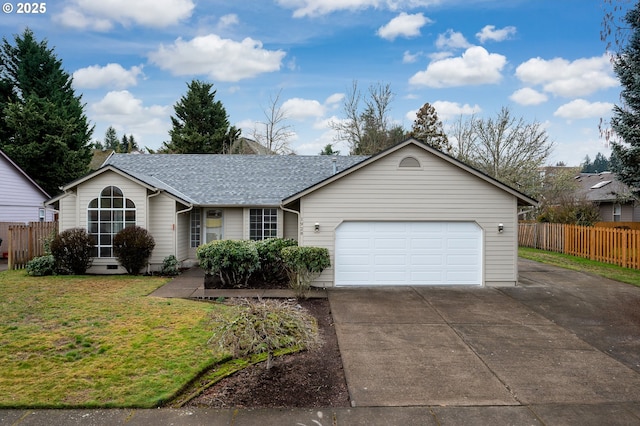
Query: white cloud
[[73, 18], [452, 40], [334, 99], [410, 58], [438, 56], [561, 77], [86, 14], [528, 96], [220, 59], [228, 20], [403, 25], [447, 110], [489, 32], [301, 109], [475, 66], [580, 108], [313, 8], [127, 114], [113, 76]]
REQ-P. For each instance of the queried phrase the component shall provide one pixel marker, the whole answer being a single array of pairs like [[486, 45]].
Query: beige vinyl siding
[[183, 234], [437, 191], [233, 220], [68, 216], [290, 228], [162, 227]]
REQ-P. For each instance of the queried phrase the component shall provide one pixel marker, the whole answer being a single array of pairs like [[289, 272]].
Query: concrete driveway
[[560, 345]]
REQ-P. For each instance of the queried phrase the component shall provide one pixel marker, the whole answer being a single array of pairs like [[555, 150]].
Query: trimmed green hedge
[[304, 264], [233, 261]]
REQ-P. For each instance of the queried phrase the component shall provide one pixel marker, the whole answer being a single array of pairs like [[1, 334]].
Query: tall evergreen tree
[[626, 117], [44, 129], [428, 128], [201, 124], [111, 140]]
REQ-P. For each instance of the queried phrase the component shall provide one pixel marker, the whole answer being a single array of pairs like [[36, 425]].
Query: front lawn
[[614, 272], [97, 341]]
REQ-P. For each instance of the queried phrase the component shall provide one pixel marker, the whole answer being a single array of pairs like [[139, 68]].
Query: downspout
[[297, 214]]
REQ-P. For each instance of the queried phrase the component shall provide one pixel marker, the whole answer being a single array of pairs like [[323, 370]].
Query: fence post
[[10, 257]]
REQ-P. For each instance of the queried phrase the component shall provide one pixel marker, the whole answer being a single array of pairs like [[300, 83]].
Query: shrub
[[233, 261], [573, 212], [170, 266], [72, 251], [41, 266], [266, 326], [132, 246], [269, 253], [303, 265]]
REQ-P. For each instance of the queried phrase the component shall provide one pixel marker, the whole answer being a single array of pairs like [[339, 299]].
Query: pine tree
[[428, 128], [200, 124], [44, 129], [111, 140], [626, 117]]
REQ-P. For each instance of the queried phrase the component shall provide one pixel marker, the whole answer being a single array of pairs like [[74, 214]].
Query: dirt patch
[[306, 379]]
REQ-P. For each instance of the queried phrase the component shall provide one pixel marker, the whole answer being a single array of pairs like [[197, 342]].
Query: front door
[[213, 225]]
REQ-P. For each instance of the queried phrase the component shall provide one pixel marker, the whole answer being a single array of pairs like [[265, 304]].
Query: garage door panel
[[426, 243], [389, 243], [425, 260], [408, 253], [391, 260]]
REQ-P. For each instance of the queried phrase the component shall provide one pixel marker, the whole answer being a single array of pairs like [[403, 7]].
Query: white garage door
[[408, 253]]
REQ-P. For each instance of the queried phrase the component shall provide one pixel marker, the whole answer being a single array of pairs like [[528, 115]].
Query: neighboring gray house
[[614, 198], [21, 198], [408, 215]]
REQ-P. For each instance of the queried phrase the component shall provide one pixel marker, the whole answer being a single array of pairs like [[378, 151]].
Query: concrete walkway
[[562, 348], [190, 285]]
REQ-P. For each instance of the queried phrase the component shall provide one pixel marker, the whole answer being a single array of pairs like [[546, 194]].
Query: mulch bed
[[306, 379]]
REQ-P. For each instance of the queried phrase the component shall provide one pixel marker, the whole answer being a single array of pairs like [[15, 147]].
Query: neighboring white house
[[21, 198], [408, 215]]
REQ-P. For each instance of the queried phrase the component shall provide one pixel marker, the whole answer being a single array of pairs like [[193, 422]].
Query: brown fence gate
[[27, 241]]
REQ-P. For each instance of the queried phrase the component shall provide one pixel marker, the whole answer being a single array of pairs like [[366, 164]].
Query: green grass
[[614, 272], [98, 341]]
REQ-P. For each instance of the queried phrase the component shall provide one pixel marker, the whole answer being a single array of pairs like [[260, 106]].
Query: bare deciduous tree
[[274, 133], [368, 129], [461, 132], [506, 148]]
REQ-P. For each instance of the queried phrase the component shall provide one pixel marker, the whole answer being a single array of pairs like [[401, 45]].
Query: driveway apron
[[469, 346]]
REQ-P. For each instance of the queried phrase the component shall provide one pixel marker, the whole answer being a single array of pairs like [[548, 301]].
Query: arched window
[[409, 162], [106, 216]]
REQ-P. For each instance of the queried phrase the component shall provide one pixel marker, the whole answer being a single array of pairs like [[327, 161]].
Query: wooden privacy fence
[[27, 241], [610, 245]]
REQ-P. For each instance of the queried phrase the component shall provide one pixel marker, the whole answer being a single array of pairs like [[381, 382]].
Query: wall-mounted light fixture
[[316, 227], [500, 228], [41, 214]]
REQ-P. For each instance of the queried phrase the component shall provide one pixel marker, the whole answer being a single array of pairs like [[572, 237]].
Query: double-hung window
[[263, 224]]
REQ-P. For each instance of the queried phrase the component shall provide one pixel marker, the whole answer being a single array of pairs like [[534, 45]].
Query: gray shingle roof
[[602, 187], [228, 180]]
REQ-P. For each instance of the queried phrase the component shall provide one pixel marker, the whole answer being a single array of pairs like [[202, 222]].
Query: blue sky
[[131, 61]]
